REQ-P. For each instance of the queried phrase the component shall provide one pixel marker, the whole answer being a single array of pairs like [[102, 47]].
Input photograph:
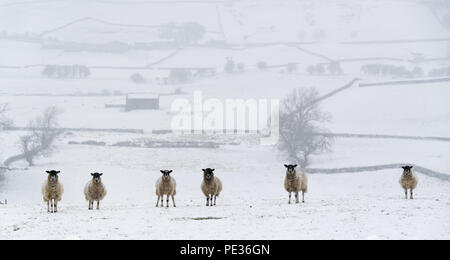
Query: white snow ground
[[253, 204]]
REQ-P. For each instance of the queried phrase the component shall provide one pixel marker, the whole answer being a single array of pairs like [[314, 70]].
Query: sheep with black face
[[95, 190], [211, 186], [294, 182], [166, 185], [52, 191], [408, 180]]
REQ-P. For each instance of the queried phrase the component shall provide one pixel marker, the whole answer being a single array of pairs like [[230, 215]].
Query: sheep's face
[[166, 174], [96, 177], [290, 168], [208, 174], [407, 170], [53, 175]]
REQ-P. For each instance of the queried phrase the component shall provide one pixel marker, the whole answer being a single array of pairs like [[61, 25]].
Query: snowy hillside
[[248, 20], [379, 71]]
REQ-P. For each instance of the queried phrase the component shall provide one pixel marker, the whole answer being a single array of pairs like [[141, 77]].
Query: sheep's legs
[[411, 194], [406, 193], [303, 197], [157, 201], [173, 200], [167, 200], [48, 206], [289, 198], [215, 197], [91, 205], [296, 198], [209, 200], [98, 204]]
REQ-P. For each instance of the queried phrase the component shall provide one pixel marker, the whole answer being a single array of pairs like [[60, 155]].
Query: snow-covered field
[[418, 110], [253, 205]]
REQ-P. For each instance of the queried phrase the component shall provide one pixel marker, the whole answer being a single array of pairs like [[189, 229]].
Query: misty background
[[364, 85]]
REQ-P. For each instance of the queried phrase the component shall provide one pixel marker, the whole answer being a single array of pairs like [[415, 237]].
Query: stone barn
[[142, 101]]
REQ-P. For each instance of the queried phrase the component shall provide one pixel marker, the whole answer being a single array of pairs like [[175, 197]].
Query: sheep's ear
[[286, 166], [295, 165], [47, 172], [213, 170], [57, 172], [170, 171], [411, 166], [101, 174], [92, 174], [403, 167], [161, 171], [204, 170]]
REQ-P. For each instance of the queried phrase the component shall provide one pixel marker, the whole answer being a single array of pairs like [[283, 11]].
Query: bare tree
[[40, 140], [301, 134], [230, 65], [187, 33], [42, 136], [4, 121]]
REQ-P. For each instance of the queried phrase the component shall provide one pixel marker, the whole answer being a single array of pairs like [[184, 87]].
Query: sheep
[[408, 180], [52, 191], [166, 185], [211, 186], [295, 182], [95, 190]]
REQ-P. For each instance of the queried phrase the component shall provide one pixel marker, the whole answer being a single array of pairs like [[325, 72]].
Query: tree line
[[66, 71], [378, 69]]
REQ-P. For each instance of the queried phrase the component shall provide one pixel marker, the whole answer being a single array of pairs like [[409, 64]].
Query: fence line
[[381, 136], [405, 82], [236, 132], [112, 130], [417, 168], [398, 41], [314, 53], [334, 92]]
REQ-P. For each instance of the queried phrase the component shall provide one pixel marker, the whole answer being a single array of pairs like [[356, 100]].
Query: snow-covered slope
[[254, 204], [249, 20]]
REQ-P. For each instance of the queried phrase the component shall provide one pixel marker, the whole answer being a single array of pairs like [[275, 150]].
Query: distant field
[[422, 110]]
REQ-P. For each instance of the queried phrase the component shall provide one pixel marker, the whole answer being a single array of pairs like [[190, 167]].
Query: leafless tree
[[4, 121], [301, 134], [187, 33], [41, 138]]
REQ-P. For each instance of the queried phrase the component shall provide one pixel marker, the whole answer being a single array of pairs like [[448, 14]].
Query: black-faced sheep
[[408, 180], [295, 181], [211, 186], [95, 190], [52, 191], [166, 185]]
